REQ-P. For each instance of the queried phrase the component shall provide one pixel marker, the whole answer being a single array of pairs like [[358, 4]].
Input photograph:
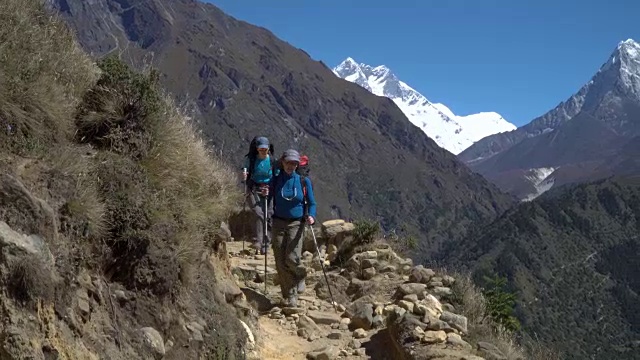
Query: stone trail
[[387, 308]]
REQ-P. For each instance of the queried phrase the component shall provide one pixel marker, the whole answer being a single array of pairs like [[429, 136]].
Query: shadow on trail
[[381, 347]]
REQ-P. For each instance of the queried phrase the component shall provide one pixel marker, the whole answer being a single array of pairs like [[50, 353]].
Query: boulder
[[361, 314], [419, 274], [326, 318], [412, 288], [324, 353], [337, 231], [15, 243], [154, 341], [456, 321]]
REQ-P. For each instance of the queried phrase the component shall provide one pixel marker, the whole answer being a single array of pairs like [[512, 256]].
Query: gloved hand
[[264, 190], [311, 220], [244, 175]]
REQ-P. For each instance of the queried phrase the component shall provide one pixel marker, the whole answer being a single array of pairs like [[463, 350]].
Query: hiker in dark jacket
[[290, 215]]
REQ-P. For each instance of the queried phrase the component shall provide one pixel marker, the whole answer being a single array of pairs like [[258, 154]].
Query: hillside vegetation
[[571, 256], [110, 205]]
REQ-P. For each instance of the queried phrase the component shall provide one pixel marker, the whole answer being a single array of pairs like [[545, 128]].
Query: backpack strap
[[252, 164], [274, 164], [305, 201]]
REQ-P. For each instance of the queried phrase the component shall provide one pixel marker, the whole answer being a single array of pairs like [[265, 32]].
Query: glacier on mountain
[[452, 132]]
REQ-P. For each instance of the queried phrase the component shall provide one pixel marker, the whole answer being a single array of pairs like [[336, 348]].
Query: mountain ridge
[[571, 257], [450, 131]]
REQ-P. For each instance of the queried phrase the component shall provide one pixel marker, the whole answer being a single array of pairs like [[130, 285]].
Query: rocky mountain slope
[[452, 132], [586, 137], [240, 81], [572, 257]]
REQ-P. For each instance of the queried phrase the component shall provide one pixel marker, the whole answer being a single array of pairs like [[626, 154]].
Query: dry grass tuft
[[198, 186], [73, 172], [43, 74], [29, 279]]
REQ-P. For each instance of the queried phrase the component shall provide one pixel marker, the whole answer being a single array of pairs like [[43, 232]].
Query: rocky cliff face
[[368, 160]]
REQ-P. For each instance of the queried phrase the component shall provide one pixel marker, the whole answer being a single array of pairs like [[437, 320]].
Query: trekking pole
[[244, 209], [333, 302], [264, 243]]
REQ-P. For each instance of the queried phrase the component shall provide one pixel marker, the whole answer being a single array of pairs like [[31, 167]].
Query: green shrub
[[365, 231], [501, 303]]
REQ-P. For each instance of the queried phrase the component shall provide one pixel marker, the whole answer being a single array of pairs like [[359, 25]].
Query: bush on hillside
[[501, 303], [165, 195], [365, 231], [402, 244]]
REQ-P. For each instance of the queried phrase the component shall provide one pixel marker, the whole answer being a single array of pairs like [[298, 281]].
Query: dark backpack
[[253, 154]]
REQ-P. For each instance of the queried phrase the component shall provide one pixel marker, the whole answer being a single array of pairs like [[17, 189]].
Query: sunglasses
[[262, 150]]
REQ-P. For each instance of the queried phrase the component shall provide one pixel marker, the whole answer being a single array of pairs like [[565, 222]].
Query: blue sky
[[519, 58]]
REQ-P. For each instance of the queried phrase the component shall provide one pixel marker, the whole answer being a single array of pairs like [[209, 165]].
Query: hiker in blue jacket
[[260, 166], [292, 212]]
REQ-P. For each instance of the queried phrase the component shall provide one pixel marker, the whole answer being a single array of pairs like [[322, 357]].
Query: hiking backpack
[[253, 154], [303, 167]]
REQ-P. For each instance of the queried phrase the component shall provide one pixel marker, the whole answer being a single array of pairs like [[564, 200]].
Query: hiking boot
[[292, 301], [301, 286], [301, 271], [289, 301], [263, 249]]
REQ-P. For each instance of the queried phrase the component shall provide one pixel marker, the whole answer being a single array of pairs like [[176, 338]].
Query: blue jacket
[[262, 171], [286, 194]]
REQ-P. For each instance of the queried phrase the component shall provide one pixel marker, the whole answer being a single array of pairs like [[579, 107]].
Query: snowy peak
[[351, 71], [624, 64], [452, 132], [629, 47], [626, 55]]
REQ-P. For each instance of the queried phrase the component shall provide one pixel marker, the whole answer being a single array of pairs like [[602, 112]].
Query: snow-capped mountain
[[589, 136], [620, 74], [452, 132]]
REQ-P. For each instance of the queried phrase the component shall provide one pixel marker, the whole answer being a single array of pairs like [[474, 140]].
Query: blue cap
[[262, 142]]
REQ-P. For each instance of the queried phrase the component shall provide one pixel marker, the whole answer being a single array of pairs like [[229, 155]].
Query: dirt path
[[277, 344], [375, 288], [280, 335]]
